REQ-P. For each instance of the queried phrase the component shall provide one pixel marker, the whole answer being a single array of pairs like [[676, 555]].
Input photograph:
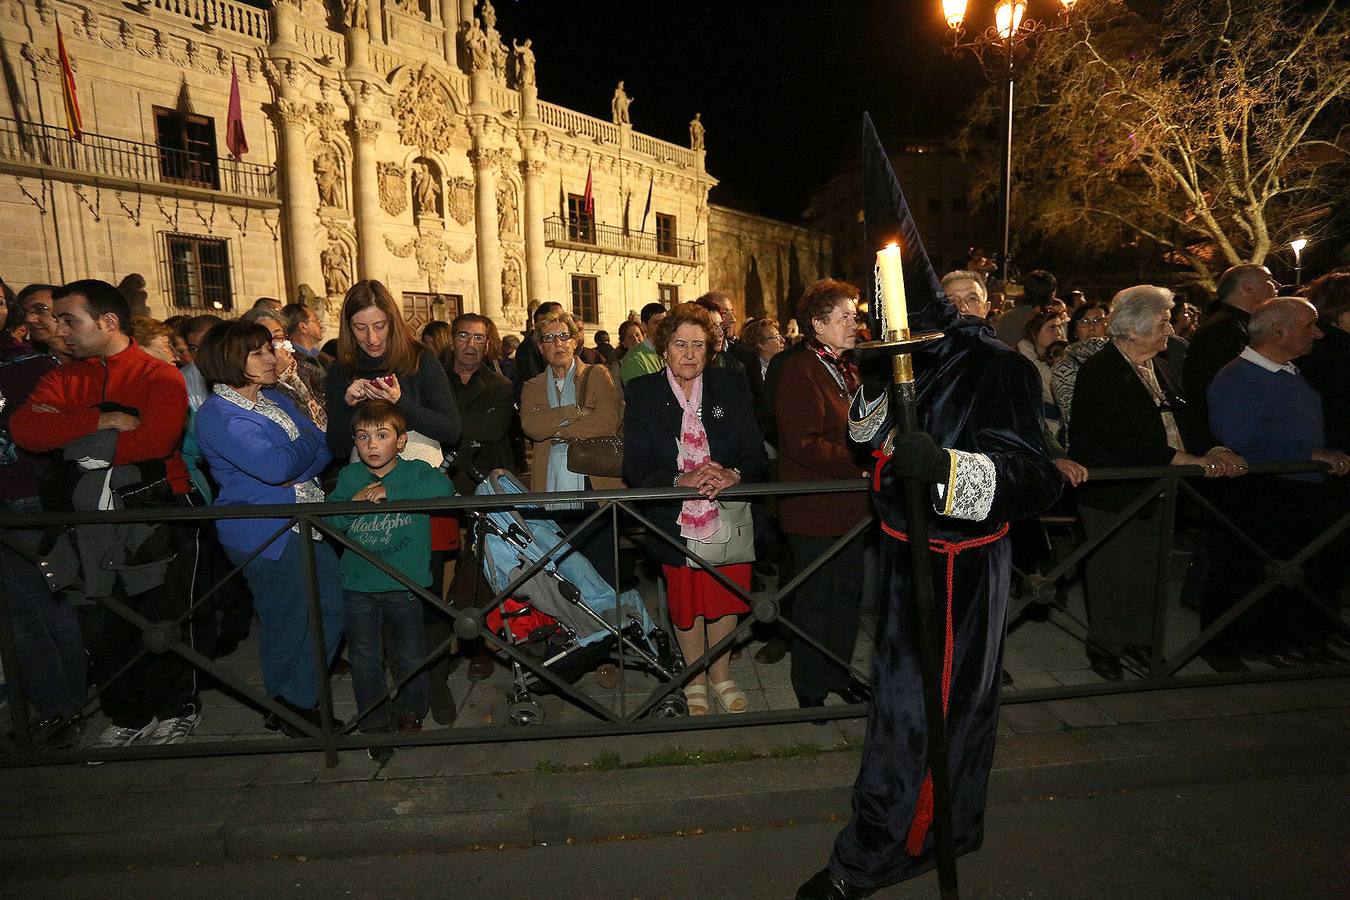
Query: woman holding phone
[[378, 358]]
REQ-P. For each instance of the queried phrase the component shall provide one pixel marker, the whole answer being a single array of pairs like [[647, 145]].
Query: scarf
[[561, 478], [698, 518], [839, 365]]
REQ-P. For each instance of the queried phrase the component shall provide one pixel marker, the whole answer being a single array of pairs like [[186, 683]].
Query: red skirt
[[691, 593]]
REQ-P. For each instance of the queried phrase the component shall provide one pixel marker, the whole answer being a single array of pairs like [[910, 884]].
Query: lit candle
[[891, 278]]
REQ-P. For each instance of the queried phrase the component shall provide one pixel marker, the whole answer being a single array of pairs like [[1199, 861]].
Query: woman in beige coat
[[570, 400]]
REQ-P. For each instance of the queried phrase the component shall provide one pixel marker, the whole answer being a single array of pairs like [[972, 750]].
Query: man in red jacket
[[113, 406]]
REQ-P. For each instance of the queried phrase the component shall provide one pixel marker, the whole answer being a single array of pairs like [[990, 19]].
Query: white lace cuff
[[969, 491], [867, 416]]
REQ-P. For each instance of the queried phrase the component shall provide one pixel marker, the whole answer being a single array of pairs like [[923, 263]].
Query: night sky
[[781, 85]]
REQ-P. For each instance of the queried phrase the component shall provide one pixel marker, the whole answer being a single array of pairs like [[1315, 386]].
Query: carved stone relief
[[459, 200], [328, 176], [430, 252], [426, 188], [425, 113], [393, 188], [511, 288], [337, 266], [507, 216]]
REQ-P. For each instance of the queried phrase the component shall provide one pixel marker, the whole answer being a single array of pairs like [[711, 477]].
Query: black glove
[[917, 455]]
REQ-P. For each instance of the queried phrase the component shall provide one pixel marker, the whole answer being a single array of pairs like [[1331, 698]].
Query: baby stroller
[[566, 615]]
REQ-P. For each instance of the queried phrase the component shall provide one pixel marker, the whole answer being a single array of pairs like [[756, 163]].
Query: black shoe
[[443, 708], [855, 693], [1006, 679], [1137, 655], [773, 651], [825, 885], [812, 703], [381, 755], [1106, 666], [1225, 662]]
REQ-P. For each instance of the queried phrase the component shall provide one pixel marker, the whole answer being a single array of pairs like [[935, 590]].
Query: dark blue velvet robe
[[976, 395]]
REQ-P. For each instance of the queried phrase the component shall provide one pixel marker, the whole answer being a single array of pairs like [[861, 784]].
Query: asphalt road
[[1280, 837]]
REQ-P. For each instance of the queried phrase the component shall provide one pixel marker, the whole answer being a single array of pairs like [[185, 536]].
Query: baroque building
[[764, 264], [401, 140]]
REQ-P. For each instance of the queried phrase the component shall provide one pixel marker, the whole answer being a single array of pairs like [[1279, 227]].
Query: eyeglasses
[[1092, 320], [846, 318], [38, 309], [561, 337], [773, 339], [471, 337]]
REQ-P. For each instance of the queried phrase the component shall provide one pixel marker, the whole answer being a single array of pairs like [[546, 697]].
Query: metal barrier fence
[[659, 710]]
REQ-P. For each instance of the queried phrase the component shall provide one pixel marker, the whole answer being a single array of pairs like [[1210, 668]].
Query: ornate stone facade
[[403, 141], [764, 264]]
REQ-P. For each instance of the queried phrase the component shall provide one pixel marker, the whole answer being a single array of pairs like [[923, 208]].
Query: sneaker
[[175, 729], [117, 736]]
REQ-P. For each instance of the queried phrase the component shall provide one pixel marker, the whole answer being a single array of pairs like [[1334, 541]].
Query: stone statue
[[696, 132], [426, 190], [489, 15], [506, 211], [358, 15], [476, 43], [328, 175], [335, 267], [411, 7], [510, 286], [619, 106], [524, 63]]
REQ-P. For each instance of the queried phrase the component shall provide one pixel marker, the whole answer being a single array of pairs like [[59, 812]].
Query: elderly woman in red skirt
[[694, 427]]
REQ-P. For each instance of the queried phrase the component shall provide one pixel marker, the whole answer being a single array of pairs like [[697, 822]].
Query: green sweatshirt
[[403, 540]]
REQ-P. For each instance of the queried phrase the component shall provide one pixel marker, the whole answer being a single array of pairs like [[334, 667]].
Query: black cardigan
[[1115, 423], [651, 429], [426, 401]]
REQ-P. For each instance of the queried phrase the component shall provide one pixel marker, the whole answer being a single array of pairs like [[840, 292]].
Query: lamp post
[[1002, 39], [1297, 245]]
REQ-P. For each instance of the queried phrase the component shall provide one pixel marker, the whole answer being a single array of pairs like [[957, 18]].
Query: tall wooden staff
[[898, 341]]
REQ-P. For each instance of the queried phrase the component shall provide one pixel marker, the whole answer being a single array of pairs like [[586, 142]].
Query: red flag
[[234, 121], [588, 199], [72, 103]]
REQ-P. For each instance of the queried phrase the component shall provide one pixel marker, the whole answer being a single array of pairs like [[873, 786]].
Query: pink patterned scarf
[[698, 518]]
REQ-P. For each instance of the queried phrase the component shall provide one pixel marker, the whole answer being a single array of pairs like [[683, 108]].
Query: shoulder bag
[[598, 455]]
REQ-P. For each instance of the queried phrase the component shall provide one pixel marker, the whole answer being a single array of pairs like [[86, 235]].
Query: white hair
[[964, 275], [1135, 309], [1275, 312]]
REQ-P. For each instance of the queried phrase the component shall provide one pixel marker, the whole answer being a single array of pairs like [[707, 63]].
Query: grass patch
[[678, 756], [805, 750], [607, 761], [549, 767]]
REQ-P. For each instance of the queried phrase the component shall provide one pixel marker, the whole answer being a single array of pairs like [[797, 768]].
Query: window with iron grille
[[586, 298], [580, 227], [187, 148], [199, 272], [668, 294], [665, 235]]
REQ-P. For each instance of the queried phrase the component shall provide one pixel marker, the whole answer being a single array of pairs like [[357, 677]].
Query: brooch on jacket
[[718, 412]]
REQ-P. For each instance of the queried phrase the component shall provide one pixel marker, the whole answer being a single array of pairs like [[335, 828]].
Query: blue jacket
[[256, 464]]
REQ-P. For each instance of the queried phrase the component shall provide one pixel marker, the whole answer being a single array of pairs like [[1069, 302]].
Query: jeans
[[285, 644], [52, 663], [370, 616]]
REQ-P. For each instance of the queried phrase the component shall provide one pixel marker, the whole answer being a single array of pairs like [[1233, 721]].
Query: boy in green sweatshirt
[[403, 540]]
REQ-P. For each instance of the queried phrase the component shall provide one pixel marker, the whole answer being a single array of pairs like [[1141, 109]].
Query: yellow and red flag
[[72, 102]]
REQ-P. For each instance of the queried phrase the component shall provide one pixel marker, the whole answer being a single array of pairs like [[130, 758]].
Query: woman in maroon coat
[[812, 402]]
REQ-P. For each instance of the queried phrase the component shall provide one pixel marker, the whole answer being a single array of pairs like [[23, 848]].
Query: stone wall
[[762, 263]]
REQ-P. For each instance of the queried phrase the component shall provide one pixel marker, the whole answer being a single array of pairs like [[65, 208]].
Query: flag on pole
[[588, 198], [234, 120], [648, 208], [72, 103], [562, 199]]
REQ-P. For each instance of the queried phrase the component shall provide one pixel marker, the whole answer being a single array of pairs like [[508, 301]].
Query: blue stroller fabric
[[504, 560]]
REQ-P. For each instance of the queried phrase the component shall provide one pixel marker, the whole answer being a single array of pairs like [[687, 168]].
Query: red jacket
[[131, 378]]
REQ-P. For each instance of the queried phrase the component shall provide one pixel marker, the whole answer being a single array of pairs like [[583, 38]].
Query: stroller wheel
[[607, 676], [673, 707], [525, 712]]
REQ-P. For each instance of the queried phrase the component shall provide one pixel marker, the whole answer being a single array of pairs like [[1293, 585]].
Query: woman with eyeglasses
[[1128, 411], [568, 400], [812, 399], [289, 380], [1088, 328], [378, 358]]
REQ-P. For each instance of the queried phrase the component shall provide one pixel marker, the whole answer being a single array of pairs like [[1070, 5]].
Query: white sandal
[[731, 698], [696, 698]]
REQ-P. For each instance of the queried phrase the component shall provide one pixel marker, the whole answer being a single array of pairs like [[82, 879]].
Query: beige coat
[[542, 424]]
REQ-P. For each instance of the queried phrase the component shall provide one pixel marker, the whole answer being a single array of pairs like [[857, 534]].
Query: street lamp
[[1008, 32], [1297, 245]]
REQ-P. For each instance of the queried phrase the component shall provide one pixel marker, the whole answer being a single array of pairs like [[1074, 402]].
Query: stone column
[[536, 253], [301, 199], [450, 19], [489, 243], [375, 19], [366, 191]]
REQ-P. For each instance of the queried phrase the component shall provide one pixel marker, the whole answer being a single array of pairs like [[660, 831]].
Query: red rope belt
[[923, 810]]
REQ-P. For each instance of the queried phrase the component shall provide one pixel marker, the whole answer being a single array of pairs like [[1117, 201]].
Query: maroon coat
[[812, 416]]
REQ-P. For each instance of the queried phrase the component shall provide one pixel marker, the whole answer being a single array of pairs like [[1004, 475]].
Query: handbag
[[598, 455], [734, 540]]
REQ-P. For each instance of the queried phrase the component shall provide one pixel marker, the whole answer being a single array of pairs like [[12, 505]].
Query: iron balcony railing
[[52, 151], [585, 234]]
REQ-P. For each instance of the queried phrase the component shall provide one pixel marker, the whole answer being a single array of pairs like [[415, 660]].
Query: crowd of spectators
[[105, 409]]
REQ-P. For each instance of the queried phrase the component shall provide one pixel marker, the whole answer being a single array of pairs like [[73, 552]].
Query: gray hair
[[1275, 313], [263, 315], [1134, 310], [966, 275]]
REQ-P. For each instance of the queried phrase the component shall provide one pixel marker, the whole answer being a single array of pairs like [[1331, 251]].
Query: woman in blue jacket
[[263, 451]]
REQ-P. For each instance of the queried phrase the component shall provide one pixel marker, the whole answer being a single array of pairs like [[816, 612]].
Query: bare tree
[[1217, 130]]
